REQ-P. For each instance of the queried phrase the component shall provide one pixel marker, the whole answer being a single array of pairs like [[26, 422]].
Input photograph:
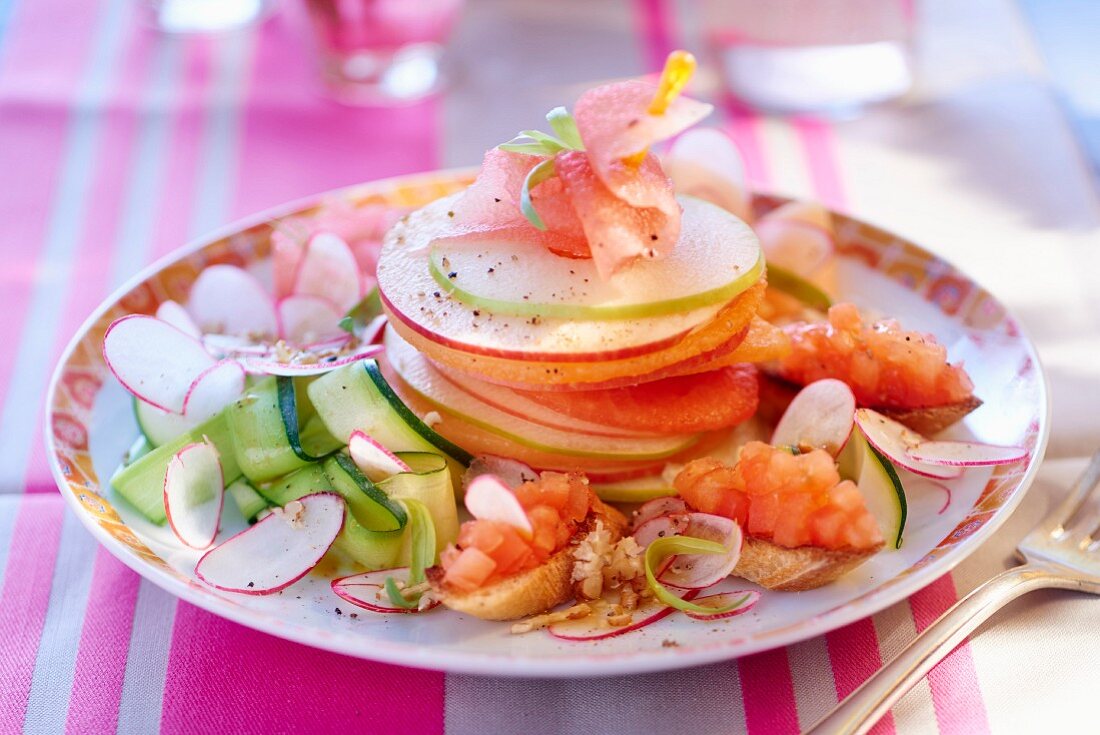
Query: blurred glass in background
[[827, 56], [204, 16], [381, 51]]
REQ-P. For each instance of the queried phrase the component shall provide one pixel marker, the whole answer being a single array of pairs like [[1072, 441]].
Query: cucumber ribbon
[[663, 548], [421, 552]]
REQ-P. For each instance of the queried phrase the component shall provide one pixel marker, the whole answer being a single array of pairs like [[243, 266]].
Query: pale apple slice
[[595, 627], [368, 591], [328, 269], [965, 454], [489, 499], [894, 441], [214, 389], [373, 459], [716, 258], [511, 472], [306, 319], [430, 385], [411, 295], [171, 312], [746, 598], [154, 360], [225, 299], [705, 163], [194, 488], [821, 416], [277, 551]]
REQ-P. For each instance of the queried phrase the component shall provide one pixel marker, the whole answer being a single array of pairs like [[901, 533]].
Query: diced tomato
[[792, 500], [682, 404], [884, 364], [469, 570], [545, 521], [485, 535]]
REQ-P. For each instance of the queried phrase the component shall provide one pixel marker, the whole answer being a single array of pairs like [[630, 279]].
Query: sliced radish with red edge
[[306, 319], [821, 416], [375, 461], [214, 389], [594, 627], [154, 360], [511, 472], [277, 551], [724, 599], [226, 299], [322, 366], [367, 590], [698, 571], [194, 488], [894, 440], [656, 508], [964, 454], [328, 269], [171, 312], [673, 524], [489, 499]]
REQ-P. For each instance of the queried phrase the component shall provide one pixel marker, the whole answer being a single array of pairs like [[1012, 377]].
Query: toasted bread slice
[[536, 590], [776, 394], [777, 567]]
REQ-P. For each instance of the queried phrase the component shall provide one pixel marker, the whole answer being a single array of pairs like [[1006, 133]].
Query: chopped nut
[[541, 621], [628, 598], [431, 418], [292, 512]]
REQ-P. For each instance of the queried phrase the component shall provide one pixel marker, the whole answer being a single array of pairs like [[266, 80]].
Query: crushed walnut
[[599, 564], [431, 419], [292, 513], [541, 621]]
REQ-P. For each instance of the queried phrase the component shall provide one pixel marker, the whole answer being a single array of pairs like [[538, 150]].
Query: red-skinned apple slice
[[367, 590], [511, 472], [699, 571], [724, 599], [489, 499], [328, 269], [305, 319], [657, 508], [375, 461], [595, 627], [964, 454], [135, 348], [277, 551], [226, 299], [194, 488], [821, 416], [171, 312], [214, 389], [894, 440]]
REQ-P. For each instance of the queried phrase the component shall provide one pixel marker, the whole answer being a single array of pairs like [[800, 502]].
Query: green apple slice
[[716, 258], [429, 384]]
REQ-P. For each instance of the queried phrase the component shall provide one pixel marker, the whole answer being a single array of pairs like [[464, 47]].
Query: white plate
[[90, 425]]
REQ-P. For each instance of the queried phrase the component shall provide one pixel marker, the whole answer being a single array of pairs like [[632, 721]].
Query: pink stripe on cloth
[[220, 679], [656, 26], [104, 642], [768, 693], [743, 125], [816, 137], [296, 143], [956, 693], [854, 655], [24, 600]]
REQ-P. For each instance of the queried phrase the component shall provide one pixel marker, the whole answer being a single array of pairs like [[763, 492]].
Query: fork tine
[[1082, 487]]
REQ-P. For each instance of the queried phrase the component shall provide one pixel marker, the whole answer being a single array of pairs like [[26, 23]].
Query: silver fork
[[1063, 551]]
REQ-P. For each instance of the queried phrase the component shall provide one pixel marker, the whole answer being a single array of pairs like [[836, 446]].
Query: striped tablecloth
[[117, 145]]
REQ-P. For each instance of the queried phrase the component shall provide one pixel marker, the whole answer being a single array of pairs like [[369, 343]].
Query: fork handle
[[866, 705]]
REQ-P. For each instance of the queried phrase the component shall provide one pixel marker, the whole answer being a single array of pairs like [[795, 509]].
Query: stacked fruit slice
[[528, 354]]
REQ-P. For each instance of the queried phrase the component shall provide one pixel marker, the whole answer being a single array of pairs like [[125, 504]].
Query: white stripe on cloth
[[145, 180], [55, 665], [688, 702], [894, 626], [27, 385], [812, 679], [140, 705], [787, 169]]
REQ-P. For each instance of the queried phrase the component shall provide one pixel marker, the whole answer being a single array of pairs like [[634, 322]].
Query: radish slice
[[673, 524], [656, 508], [821, 416], [895, 440], [154, 360], [171, 312], [698, 571], [511, 472], [214, 389], [368, 591], [705, 163], [226, 299], [194, 488], [305, 319], [277, 551], [595, 627], [797, 236], [328, 269], [964, 454], [228, 345], [489, 499], [376, 462], [293, 369], [724, 599]]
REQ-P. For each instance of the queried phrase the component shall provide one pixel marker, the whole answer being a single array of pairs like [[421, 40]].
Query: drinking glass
[[827, 56], [204, 16], [381, 51]]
